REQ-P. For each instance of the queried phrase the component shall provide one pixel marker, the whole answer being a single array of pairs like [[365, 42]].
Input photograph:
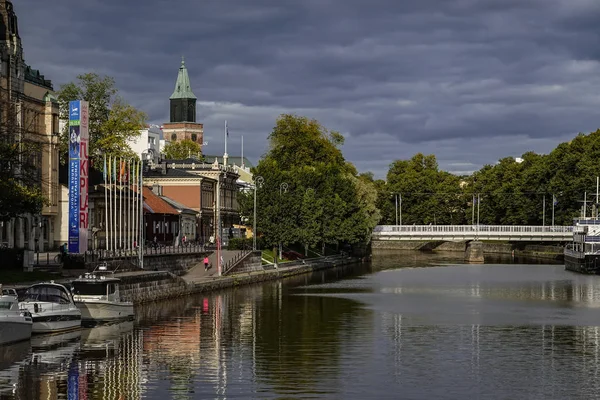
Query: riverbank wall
[[551, 252], [143, 287]]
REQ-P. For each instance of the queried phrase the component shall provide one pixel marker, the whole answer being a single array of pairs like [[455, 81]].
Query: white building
[[150, 138]]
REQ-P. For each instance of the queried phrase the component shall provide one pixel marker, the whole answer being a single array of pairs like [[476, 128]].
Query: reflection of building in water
[[111, 361], [46, 374]]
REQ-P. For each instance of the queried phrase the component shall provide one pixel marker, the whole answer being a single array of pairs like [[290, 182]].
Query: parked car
[[292, 255]]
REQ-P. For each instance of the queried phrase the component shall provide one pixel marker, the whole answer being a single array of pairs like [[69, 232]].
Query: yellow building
[[29, 118]]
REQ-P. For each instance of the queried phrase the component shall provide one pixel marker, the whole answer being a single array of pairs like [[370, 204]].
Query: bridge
[[458, 233]]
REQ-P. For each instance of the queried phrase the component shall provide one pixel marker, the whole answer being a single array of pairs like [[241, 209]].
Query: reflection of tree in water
[[300, 340]]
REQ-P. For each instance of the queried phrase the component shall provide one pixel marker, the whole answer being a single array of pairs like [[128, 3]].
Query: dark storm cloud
[[471, 81]]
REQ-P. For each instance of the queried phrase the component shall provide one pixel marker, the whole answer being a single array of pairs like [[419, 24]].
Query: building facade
[[29, 119], [209, 189], [150, 139]]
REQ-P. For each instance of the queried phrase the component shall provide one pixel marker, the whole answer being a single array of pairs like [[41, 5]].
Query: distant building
[[195, 185], [182, 122], [150, 138]]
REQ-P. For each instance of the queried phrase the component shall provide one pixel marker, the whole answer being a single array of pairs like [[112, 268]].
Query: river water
[[406, 326]]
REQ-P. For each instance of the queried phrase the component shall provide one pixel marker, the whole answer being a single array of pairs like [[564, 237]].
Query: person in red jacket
[[206, 263]]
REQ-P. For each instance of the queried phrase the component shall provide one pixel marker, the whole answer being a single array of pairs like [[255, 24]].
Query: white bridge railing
[[473, 232]]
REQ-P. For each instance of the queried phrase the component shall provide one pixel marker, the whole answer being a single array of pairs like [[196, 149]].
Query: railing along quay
[[473, 232]]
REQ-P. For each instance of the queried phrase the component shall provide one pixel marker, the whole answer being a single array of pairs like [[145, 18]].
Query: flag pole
[[129, 210], [242, 152], [226, 134], [105, 206], [134, 216], [109, 224], [120, 243], [114, 212], [142, 226]]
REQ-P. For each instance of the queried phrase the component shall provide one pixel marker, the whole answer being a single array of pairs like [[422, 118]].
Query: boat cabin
[[8, 302], [48, 292], [96, 287]]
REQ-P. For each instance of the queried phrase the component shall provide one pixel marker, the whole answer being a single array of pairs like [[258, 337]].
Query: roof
[[34, 76], [180, 207], [183, 89], [231, 160], [155, 204], [170, 173]]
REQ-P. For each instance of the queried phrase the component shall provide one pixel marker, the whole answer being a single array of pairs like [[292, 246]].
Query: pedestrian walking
[[206, 263]]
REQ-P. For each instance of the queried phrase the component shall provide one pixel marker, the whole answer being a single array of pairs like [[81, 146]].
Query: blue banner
[[74, 205], [74, 174]]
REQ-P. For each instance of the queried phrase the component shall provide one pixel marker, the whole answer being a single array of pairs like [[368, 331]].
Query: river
[[405, 326]]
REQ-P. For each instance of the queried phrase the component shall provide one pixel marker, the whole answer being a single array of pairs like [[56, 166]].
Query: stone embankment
[[552, 252], [142, 287]]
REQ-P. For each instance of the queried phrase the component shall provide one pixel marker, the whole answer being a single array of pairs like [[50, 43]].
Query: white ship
[[15, 324], [99, 299], [52, 308]]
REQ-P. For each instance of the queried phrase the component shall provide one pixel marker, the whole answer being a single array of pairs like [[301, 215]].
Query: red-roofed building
[[165, 219]]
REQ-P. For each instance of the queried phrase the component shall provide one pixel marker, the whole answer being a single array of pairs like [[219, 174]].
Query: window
[[174, 136], [194, 137]]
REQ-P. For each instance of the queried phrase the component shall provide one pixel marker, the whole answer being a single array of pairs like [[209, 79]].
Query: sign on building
[[78, 176]]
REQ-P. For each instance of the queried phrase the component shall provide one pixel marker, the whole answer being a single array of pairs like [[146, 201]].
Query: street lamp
[[283, 187], [398, 199], [257, 182]]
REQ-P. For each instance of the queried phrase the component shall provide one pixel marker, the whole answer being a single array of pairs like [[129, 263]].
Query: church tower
[[182, 121], [183, 101]]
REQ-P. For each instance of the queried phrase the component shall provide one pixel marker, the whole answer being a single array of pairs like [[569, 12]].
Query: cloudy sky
[[470, 81]]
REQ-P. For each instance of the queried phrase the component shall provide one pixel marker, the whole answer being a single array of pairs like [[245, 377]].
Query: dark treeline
[[510, 192]]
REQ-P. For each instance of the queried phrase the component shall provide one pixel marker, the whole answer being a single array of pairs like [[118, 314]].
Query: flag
[[554, 200], [226, 129], [104, 171], [114, 170]]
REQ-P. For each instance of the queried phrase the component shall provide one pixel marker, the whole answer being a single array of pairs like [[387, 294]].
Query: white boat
[[52, 308], [15, 324], [99, 299], [583, 254]]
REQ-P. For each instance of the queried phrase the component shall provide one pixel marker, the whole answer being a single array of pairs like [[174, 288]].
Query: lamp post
[[149, 158], [283, 187], [257, 182]]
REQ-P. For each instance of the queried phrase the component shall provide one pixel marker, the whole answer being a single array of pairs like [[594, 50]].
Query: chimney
[[157, 189]]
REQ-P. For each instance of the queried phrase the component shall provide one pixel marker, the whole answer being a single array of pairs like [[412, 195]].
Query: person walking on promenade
[[206, 263]]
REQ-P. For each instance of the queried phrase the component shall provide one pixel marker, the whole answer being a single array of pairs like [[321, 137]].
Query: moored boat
[[52, 308], [15, 324], [583, 254], [99, 299]]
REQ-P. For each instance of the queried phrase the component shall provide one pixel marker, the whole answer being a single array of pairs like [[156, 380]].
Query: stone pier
[[474, 252]]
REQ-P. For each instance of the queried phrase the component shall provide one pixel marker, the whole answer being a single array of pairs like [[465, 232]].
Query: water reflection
[[368, 331]]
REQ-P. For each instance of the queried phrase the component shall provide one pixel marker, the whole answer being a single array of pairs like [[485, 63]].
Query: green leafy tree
[[112, 121], [180, 150], [324, 202]]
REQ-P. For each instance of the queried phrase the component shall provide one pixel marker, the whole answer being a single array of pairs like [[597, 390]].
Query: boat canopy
[[48, 292]]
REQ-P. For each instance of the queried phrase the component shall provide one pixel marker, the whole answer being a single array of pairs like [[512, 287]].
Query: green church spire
[[183, 89]]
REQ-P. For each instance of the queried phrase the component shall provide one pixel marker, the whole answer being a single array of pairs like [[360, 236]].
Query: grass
[[17, 276]]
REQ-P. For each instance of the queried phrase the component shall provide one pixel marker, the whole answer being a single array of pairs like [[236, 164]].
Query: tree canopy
[[179, 150], [310, 194], [112, 121], [523, 191]]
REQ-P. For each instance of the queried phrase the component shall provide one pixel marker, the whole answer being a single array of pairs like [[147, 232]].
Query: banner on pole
[[78, 176]]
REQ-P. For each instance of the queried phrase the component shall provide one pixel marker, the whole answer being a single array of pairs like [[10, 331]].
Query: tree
[[183, 149], [21, 148], [112, 121], [325, 200]]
